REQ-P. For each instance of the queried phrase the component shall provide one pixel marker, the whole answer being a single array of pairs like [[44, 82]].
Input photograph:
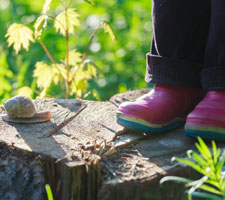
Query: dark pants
[[188, 46]]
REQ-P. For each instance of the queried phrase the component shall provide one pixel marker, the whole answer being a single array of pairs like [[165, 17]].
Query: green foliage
[[66, 18], [20, 36], [57, 73], [5, 75], [122, 62], [49, 192], [212, 184]]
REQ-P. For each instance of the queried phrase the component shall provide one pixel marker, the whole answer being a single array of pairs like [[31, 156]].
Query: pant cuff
[[169, 71], [213, 78]]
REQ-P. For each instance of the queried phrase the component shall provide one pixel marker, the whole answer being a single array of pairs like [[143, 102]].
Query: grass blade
[[206, 195], [49, 192], [176, 179]]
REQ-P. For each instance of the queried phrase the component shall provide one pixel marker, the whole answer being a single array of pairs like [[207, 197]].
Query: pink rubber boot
[[208, 118], [164, 108]]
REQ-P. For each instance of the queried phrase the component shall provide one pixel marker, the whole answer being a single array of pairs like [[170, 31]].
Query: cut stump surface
[[91, 156]]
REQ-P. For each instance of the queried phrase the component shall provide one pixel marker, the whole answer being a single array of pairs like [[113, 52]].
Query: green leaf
[[206, 195], [214, 183], [199, 184], [46, 6], [49, 192], [204, 150], [90, 1], [66, 21], [215, 152], [40, 23], [107, 29], [20, 36], [47, 74], [92, 68], [200, 161], [176, 179], [210, 189], [192, 164], [74, 57], [220, 164]]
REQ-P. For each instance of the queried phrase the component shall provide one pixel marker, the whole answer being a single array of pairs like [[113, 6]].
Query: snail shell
[[20, 107], [22, 110]]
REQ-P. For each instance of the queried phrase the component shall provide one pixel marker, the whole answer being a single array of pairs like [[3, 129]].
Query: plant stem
[[85, 53], [67, 58], [46, 51], [89, 44]]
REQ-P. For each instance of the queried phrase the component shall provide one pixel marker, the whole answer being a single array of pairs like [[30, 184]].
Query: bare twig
[[89, 44], [64, 123], [67, 57], [85, 52], [46, 51]]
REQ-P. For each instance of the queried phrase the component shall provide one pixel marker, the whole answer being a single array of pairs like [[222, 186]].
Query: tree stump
[[88, 156]]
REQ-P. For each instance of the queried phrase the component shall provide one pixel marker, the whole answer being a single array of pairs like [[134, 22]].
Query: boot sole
[[205, 132], [130, 123]]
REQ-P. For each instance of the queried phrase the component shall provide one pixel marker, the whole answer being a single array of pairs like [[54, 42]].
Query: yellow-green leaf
[[74, 57], [108, 30], [25, 91], [66, 21], [47, 74], [20, 36], [46, 6], [96, 94], [40, 23]]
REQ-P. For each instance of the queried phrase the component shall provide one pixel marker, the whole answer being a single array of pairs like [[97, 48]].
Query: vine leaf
[[108, 29], [20, 36], [83, 75], [40, 23], [46, 6], [74, 57], [60, 22], [47, 74]]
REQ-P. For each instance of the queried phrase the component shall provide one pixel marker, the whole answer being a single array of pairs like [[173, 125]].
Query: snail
[[21, 109]]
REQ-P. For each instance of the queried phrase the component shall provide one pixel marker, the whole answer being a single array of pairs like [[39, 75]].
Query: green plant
[[210, 165], [49, 192], [71, 73]]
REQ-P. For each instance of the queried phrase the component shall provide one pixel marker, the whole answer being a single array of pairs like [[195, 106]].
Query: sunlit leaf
[[107, 29], [96, 95], [74, 57], [61, 24], [215, 152], [201, 161], [20, 36], [92, 68], [25, 91], [40, 23], [47, 74], [46, 6], [191, 164], [204, 150]]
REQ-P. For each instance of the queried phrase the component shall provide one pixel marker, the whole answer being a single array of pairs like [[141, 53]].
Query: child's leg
[[179, 40], [174, 64], [208, 118]]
